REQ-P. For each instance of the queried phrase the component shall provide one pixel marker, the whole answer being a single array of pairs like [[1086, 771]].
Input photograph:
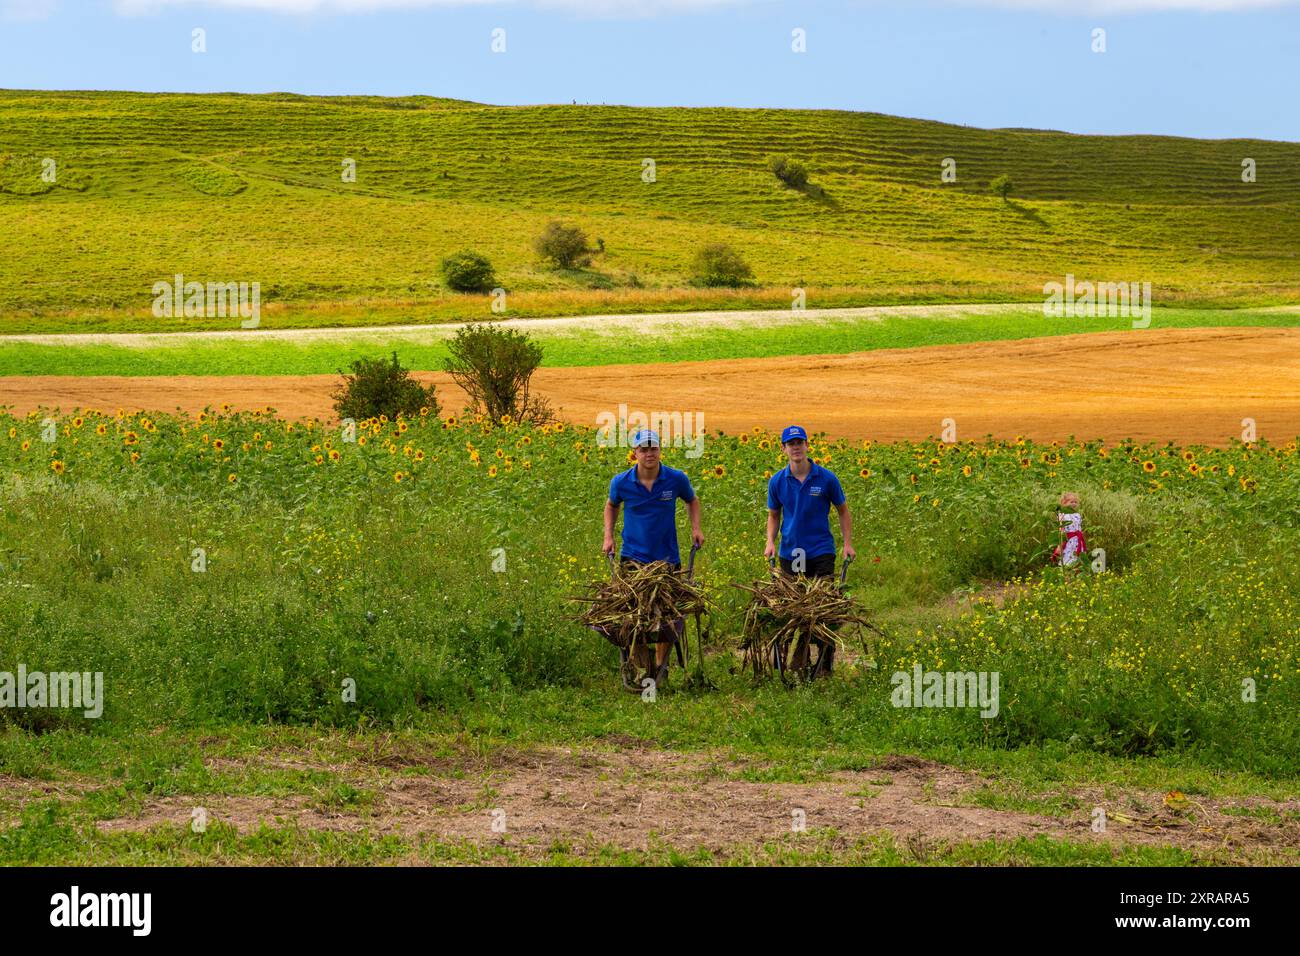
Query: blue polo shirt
[[805, 510], [650, 517]]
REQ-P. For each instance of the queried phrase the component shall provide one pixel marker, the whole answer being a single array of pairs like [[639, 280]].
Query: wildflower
[[58, 467], [1148, 466], [492, 471], [335, 455], [231, 478]]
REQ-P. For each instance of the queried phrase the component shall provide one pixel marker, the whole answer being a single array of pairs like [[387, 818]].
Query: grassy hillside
[[226, 187]]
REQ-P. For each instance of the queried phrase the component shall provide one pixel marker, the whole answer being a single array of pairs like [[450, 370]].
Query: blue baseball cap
[[645, 437], [793, 431]]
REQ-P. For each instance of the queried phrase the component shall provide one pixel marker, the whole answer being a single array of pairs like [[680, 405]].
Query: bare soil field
[[639, 794], [1185, 385]]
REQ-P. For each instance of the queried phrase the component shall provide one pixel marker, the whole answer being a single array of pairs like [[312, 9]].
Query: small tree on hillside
[[495, 366], [564, 245], [790, 171], [1002, 186], [717, 264], [467, 271]]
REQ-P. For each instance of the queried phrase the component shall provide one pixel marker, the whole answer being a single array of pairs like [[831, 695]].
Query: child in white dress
[[1073, 546]]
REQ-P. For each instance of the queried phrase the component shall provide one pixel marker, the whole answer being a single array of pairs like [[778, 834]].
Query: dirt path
[[637, 795], [604, 324], [1187, 385]]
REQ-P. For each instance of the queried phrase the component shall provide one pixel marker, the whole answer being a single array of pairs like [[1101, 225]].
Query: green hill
[[249, 188]]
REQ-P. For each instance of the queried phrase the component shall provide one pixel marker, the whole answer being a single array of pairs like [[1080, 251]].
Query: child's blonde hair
[[1069, 500]]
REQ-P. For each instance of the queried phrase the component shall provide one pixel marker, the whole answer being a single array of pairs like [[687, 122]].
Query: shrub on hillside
[[495, 367], [719, 265], [790, 171], [1002, 186], [563, 245], [467, 271], [378, 387]]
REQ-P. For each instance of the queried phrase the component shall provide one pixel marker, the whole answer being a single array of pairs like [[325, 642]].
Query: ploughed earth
[[1193, 386]]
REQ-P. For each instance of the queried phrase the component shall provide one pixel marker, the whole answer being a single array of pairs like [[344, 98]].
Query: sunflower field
[[242, 568]]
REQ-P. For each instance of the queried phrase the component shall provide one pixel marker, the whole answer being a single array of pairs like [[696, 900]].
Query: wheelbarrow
[[627, 667], [785, 653]]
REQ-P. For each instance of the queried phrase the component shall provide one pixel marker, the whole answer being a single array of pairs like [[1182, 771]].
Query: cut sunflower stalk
[[787, 613], [632, 609]]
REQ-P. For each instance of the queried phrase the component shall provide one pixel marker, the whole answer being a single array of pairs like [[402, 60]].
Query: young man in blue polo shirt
[[649, 491], [799, 499]]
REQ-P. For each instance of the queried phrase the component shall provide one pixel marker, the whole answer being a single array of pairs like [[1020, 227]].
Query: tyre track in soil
[[1184, 385]]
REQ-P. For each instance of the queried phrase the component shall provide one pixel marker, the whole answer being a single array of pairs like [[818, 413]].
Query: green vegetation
[[717, 264], [326, 560], [563, 246], [467, 271], [376, 387], [146, 180], [787, 333], [494, 366]]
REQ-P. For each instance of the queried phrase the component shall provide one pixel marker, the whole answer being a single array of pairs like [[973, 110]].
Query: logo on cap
[[793, 431], [645, 437]]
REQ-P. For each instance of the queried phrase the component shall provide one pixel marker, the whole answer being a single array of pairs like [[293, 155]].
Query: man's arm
[[773, 526], [693, 511], [611, 516], [846, 529]]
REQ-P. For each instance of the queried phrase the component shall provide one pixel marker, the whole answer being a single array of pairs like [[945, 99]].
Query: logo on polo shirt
[[815, 490], [667, 495]]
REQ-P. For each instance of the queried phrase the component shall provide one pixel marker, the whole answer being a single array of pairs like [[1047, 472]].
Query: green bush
[[378, 387], [467, 271], [1002, 186], [494, 366], [719, 265], [563, 245], [790, 171]]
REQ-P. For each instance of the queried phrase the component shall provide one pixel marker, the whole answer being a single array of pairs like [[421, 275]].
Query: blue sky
[[1210, 68]]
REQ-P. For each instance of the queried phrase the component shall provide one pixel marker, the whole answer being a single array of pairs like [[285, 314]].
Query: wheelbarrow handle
[[771, 564], [690, 562], [844, 569], [610, 556]]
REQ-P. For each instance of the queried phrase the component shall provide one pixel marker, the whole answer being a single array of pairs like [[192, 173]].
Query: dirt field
[[639, 794], [1187, 385]]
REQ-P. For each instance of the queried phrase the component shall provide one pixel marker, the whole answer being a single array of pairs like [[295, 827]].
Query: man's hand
[[849, 552], [769, 552], [608, 546], [697, 537]]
